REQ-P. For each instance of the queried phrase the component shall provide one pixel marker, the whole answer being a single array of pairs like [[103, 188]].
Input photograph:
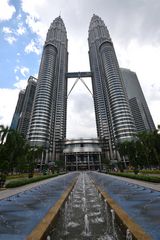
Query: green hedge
[[154, 179], [150, 171], [10, 177], [147, 171], [24, 181]]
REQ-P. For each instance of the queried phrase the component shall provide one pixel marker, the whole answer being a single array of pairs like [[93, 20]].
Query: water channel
[[86, 215]]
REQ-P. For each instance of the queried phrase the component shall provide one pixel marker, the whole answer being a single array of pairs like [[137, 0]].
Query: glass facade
[[141, 114], [18, 110], [24, 106], [48, 121], [113, 116], [116, 100]]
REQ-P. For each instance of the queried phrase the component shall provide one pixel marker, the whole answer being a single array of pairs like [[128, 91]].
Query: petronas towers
[[48, 121], [114, 120], [113, 117]]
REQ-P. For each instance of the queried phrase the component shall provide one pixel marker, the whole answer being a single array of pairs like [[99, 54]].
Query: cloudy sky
[[134, 26]]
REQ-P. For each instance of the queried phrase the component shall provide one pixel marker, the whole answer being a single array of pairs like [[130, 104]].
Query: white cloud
[[35, 75], [10, 35], [35, 9], [34, 47], [36, 26], [23, 70], [10, 39], [144, 60], [80, 114], [21, 29], [138, 54], [21, 84], [7, 106], [32, 6], [17, 78], [19, 16], [6, 30], [154, 108], [6, 10], [10, 97], [78, 49]]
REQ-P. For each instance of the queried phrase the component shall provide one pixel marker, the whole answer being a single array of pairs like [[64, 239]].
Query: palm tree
[[14, 149], [3, 133]]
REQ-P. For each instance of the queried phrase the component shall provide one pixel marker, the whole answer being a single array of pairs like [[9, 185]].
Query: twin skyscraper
[[115, 118]]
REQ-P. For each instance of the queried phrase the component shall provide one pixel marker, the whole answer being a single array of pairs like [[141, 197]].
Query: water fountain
[[128, 235], [113, 224], [85, 215], [86, 226], [21, 212]]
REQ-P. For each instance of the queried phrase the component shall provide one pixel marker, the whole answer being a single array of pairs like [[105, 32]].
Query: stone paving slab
[[4, 193], [23, 207], [21, 211], [141, 203], [154, 186]]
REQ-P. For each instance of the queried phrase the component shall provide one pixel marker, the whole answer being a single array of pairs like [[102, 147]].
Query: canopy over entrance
[[82, 154]]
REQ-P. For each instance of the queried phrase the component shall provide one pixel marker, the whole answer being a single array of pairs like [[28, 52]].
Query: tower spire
[[48, 122], [114, 120]]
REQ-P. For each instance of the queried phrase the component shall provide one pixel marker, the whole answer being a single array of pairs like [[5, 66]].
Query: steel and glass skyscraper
[[18, 110], [48, 121], [114, 119], [113, 116], [141, 114], [25, 115], [23, 109]]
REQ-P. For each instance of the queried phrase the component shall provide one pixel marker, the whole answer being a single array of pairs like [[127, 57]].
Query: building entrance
[[82, 154]]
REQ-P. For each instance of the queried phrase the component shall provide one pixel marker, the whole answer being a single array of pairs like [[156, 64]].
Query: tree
[[59, 164], [15, 152], [4, 164], [33, 154], [3, 133], [150, 142], [15, 148], [143, 151]]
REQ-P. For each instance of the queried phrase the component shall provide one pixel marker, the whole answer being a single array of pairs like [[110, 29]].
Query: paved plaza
[[26, 206], [138, 199], [22, 208]]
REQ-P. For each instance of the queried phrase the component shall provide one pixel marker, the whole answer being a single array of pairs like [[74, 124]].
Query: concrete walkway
[[5, 193], [154, 186], [21, 209]]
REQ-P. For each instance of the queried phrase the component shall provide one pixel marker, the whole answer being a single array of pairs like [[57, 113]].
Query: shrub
[[2, 180], [30, 175], [138, 177], [156, 171], [21, 182], [11, 177]]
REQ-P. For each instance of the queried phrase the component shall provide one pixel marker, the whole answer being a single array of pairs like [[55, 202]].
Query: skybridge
[[79, 76]]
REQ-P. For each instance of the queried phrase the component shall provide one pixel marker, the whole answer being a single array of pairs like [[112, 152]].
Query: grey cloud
[[81, 116], [82, 103], [126, 19], [154, 92], [79, 125]]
